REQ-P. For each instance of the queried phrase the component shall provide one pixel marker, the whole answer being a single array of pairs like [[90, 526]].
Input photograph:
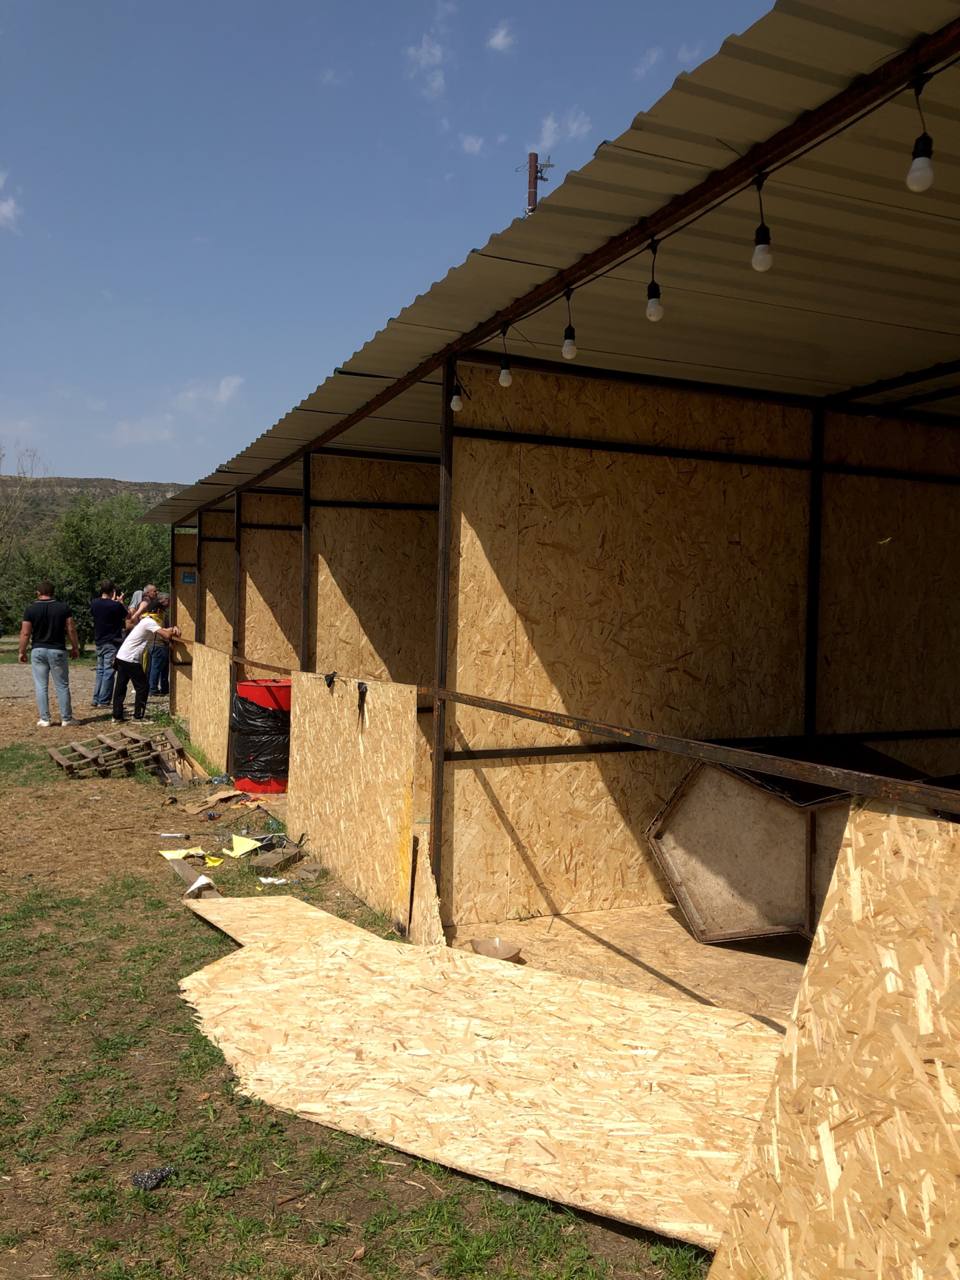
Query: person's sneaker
[[116, 721], [43, 724], [65, 724]]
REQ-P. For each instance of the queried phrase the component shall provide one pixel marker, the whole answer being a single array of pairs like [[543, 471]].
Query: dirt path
[[102, 1074]]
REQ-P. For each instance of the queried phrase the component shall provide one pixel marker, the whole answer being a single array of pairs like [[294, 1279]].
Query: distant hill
[[48, 497]]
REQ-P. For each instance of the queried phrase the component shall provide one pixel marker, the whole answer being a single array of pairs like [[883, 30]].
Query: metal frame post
[[306, 663], [811, 647], [444, 524]]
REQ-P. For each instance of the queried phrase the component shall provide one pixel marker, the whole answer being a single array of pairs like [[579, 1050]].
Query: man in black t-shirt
[[48, 624], [109, 615]]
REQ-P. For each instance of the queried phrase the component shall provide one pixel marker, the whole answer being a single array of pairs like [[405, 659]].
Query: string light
[[920, 173], [456, 400], [762, 259], [506, 377], [569, 348], [654, 305]]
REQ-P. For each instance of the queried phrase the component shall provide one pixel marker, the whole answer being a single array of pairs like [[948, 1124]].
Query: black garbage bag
[[259, 740]]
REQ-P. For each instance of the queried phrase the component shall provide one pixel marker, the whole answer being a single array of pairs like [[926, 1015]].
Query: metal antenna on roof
[[536, 173]]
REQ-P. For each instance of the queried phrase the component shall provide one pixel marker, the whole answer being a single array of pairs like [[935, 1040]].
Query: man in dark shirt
[[48, 623], [109, 615]]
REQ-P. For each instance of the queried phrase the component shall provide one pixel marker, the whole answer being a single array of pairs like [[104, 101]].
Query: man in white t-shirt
[[129, 667]]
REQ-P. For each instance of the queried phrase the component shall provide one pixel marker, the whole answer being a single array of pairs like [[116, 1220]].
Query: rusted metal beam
[[811, 644], [441, 634], [895, 790], [306, 561]]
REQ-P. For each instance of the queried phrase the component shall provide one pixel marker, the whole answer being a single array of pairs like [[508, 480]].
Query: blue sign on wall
[[188, 578]]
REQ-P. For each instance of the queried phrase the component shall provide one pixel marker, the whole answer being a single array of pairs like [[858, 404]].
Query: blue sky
[[205, 206]]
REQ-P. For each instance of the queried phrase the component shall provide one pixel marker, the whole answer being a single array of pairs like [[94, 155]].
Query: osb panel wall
[[271, 561], [423, 768], [548, 836], [886, 443], [855, 1169], [183, 613], [937, 757], [890, 605], [217, 524], [268, 508], [216, 575], [210, 712], [563, 405], [373, 480], [351, 784], [374, 588]]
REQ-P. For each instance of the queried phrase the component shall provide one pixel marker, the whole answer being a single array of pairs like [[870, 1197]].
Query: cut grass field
[[102, 1074]]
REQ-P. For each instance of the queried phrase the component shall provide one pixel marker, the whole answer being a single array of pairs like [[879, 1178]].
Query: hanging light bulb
[[920, 173], [456, 400], [762, 259], [569, 348], [506, 377], [654, 305]]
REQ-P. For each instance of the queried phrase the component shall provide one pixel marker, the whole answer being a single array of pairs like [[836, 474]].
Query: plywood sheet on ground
[[210, 719], [633, 1106], [275, 919], [649, 950], [350, 788], [855, 1170]]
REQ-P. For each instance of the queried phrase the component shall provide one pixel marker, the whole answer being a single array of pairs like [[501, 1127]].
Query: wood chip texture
[[632, 1106], [210, 711], [350, 788], [855, 1169]]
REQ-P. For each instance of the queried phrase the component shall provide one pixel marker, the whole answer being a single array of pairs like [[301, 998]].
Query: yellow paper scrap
[[240, 845], [196, 852], [211, 861]]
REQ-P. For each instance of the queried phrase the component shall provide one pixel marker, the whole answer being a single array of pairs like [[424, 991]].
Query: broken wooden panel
[[350, 788], [855, 1168], [633, 1106], [210, 719], [425, 927], [279, 918]]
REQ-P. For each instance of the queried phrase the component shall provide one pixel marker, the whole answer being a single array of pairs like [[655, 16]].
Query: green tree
[[91, 541]]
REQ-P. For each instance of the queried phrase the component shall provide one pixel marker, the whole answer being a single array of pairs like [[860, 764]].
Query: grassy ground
[[102, 1073]]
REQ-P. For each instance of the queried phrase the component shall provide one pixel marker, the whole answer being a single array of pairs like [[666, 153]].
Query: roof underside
[[865, 279]]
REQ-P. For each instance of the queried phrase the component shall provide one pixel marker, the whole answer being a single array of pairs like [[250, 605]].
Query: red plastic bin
[[275, 696]]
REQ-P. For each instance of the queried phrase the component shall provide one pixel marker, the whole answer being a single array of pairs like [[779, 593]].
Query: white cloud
[[471, 143], [155, 429], [446, 9], [577, 123], [434, 84], [10, 210], [648, 60], [330, 78], [428, 53], [501, 38], [549, 134], [445, 125], [502, 138], [216, 392], [688, 55]]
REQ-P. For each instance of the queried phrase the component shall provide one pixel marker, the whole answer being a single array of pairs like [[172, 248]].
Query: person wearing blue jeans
[[159, 660], [47, 625], [109, 619]]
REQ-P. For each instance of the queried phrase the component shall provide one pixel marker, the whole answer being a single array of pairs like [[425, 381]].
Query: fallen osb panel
[[649, 950], [350, 790], [210, 706], [425, 928], [855, 1169], [274, 919], [633, 1106]]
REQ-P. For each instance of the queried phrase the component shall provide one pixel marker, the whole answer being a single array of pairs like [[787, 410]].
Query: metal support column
[[306, 661], [444, 524], [811, 650]]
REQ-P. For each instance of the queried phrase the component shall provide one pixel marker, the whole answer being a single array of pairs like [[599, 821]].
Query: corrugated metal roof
[[864, 283]]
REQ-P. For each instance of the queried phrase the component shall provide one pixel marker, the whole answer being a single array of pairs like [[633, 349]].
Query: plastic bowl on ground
[[496, 948]]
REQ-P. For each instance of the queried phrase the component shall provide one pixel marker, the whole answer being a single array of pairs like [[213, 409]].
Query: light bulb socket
[[923, 147], [762, 235], [653, 291], [569, 334]]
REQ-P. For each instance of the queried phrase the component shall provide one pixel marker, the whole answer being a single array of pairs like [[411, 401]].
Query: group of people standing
[[131, 644]]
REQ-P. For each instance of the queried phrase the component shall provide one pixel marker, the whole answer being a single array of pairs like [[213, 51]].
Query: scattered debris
[[227, 796], [151, 1179], [271, 880], [196, 889]]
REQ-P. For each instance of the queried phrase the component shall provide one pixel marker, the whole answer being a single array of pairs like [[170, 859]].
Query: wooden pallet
[[123, 751]]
